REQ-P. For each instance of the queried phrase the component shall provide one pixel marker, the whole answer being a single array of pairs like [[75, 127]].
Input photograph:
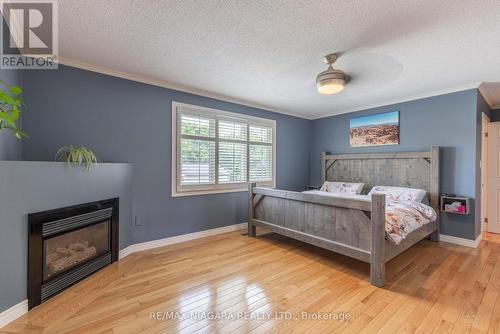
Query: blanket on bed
[[401, 217]]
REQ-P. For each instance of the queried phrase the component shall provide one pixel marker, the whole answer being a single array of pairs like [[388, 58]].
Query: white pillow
[[343, 187], [399, 193]]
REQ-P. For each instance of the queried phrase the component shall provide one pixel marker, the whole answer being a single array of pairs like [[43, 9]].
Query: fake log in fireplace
[[68, 244]]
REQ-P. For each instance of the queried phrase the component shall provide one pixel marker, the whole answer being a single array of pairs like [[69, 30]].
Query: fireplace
[[68, 244]]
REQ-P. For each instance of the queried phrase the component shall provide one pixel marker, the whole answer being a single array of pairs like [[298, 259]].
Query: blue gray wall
[[27, 187], [9, 145], [126, 121], [449, 121]]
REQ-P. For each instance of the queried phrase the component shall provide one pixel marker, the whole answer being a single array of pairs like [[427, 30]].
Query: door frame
[[484, 172]]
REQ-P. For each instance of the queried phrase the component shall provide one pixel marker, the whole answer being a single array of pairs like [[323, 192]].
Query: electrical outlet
[[137, 221]]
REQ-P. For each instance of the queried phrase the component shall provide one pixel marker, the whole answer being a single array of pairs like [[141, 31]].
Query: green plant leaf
[[7, 119], [10, 109], [6, 98], [14, 113], [16, 90]]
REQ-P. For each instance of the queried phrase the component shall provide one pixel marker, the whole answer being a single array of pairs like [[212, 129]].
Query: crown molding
[[170, 85], [461, 88], [199, 92], [486, 97]]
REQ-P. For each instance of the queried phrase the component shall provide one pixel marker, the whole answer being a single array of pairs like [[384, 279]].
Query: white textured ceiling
[[268, 52]]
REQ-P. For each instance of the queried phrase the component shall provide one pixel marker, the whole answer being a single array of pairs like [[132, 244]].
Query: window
[[216, 151]]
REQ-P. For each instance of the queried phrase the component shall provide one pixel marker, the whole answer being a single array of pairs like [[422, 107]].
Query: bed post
[[251, 226], [323, 167], [434, 188], [377, 252]]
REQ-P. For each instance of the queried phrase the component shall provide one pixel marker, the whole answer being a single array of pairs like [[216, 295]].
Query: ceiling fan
[[331, 81]]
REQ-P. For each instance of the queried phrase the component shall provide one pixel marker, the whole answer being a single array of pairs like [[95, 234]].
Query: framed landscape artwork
[[374, 130]]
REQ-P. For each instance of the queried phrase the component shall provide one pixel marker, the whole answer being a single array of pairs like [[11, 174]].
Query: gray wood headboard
[[403, 169]]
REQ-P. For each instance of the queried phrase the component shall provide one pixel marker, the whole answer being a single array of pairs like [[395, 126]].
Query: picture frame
[[375, 130]]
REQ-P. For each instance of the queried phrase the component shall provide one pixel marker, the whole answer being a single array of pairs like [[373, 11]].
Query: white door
[[493, 171]]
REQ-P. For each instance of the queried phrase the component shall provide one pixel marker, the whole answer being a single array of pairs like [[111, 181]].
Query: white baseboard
[[461, 241], [13, 313], [179, 238]]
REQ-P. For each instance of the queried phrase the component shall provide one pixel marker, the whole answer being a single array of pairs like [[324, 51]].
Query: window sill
[[207, 192], [214, 191]]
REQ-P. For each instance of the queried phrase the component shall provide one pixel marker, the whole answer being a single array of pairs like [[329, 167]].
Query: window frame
[[190, 190]]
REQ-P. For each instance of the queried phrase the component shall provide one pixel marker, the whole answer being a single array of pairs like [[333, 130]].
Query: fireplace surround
[[68, 244]]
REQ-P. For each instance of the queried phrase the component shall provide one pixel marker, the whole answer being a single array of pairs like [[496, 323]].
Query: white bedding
[[401, 217]]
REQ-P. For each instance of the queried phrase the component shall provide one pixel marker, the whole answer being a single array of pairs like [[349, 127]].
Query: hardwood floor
[[430, 288]]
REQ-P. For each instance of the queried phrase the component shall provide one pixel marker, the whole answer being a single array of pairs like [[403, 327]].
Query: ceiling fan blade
[[350, 78]]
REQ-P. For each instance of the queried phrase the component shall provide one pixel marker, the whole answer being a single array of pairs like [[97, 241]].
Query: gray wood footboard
[[354, 228]]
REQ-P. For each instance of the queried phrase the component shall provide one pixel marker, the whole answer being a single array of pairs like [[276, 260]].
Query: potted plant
[[77, 156], [10, 109]]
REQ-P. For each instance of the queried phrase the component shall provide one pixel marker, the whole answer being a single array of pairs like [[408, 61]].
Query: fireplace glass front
[[67, 250]]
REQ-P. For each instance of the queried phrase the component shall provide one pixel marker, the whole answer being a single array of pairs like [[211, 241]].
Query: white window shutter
[[197, 150], [220, 151]]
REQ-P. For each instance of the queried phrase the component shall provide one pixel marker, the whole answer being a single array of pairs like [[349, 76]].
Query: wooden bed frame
[[351, 227]]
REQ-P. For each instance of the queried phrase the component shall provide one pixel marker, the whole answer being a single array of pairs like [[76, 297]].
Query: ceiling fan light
[[331, 87], [330, 81]]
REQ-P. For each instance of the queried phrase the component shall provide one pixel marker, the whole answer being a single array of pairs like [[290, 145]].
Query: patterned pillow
[[399, 193], [342, 187]]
